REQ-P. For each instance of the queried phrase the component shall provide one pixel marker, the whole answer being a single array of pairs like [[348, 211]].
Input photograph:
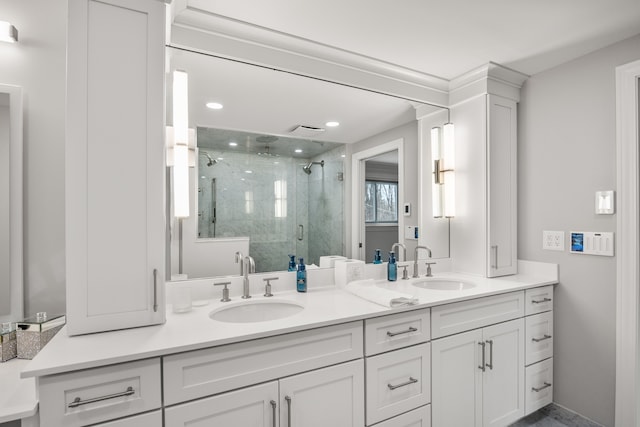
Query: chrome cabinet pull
[[406, 383], [490, 364], [539, 389], [300, 232], [494, 249], [544, 337], [155, 290], [273, 411], [482, 365], [543, 300], [288, 399], [408, 331], [79, 402]]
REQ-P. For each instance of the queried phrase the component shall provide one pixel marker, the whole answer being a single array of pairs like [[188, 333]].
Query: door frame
[[627, 404], [358, 169]]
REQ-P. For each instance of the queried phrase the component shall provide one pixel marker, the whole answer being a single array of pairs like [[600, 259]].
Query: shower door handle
[[300, 232]]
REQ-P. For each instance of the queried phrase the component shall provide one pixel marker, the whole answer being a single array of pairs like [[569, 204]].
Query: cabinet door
[[331, 396], [456, 380], [253, 406], [115, 165], [501, 186], [503, 379]]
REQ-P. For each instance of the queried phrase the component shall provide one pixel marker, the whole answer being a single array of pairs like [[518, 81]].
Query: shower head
[[307, 168], [210, 161]]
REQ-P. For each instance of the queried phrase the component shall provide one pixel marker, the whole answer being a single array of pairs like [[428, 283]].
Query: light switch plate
[[553, 240], [592, 243]]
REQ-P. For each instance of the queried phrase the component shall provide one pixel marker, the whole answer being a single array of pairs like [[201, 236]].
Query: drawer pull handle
[[288, 399], [273, 411], [490, 364], [408, 331], [483, 364], [539, 389], [545, 337], [78, 402], [540, 301], [155, 290], [406, 383]]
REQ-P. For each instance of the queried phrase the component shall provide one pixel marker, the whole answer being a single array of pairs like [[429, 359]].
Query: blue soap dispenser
[[392, 268], [301, 277], [377, 258], [292, 263]]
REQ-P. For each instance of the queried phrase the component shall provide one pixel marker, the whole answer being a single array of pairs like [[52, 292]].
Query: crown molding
[[209, 33], [489, 78]]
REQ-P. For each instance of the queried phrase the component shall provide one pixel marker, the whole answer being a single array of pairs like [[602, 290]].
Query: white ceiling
[[447, 38]]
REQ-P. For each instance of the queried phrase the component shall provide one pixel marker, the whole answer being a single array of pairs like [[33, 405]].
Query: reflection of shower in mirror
[[307, 168], [210, 161]]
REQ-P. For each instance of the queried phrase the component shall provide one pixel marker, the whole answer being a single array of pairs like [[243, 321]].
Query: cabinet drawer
[[539, 386], [462, 316], [539, 337], [151, 419], [201, 373], [101, 394], [420, 417], [396, 331], [398, 381], [538, 300]]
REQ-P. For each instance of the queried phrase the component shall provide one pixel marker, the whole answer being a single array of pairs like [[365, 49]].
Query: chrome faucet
[[248, 269], [415, 259], [240, 259], [404, 250]]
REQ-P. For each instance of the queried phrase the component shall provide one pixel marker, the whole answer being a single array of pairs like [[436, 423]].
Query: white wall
[[566, 153], [37, 63]]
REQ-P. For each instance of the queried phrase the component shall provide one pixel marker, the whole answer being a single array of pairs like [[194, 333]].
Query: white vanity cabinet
[[478, 375], [398, 369], [115, 227], [332, 396]]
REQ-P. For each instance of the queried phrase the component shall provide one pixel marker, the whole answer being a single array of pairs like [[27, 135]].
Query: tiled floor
[[555, 416]]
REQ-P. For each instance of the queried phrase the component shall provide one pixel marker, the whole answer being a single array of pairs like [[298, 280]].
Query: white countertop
[[17, 395], [195, 330]]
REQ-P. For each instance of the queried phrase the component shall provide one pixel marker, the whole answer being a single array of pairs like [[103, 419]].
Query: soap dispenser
[[377, 258], [392, 268], [301, 277]]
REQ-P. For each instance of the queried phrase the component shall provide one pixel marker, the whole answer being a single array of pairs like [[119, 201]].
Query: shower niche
[[286, 194]]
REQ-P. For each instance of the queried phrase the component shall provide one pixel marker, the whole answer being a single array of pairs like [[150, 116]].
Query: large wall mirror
[[11, 293], [271, 177]]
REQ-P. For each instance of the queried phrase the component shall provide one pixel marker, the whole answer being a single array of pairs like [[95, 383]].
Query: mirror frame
[[15, 202]]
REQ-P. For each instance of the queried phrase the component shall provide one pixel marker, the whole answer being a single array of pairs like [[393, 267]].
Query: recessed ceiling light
[[343, 156], [214, 105], [332, 124], [248, 171], [220, 158], [297, 150], [233, 144]]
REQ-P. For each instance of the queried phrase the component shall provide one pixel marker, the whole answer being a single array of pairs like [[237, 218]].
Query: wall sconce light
[[444, 183], [180, 144], [8, 33]]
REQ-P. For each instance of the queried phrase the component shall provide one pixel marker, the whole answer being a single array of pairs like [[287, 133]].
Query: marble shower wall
[[268, 199]]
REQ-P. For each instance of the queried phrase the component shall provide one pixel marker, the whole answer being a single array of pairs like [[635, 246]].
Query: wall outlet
[[553, 240]]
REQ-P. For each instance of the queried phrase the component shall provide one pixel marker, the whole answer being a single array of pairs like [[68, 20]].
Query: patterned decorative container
[[8, 343], [35, 332]]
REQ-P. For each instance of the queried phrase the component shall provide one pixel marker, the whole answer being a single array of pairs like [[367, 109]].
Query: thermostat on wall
[[591, 243]]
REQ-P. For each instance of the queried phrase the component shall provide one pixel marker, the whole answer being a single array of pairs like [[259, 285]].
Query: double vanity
[[480, 355]]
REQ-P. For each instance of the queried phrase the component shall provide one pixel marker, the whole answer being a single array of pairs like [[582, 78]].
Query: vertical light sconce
[[181, 144], [444, 182], [8, 33]]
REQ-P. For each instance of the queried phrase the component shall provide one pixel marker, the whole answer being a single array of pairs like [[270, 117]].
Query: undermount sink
[[256, 311], [444, 284]]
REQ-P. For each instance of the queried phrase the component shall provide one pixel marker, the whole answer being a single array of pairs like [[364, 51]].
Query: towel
[[367, 289]]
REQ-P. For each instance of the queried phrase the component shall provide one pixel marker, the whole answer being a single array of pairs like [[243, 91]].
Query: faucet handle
[[267, 287], [225, 291], [429, 264], [405, 274]]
